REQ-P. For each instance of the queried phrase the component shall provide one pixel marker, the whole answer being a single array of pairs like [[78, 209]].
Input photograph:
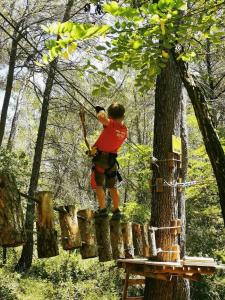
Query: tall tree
[[9, 82], [25, 260], [210, 137], [164, 207]]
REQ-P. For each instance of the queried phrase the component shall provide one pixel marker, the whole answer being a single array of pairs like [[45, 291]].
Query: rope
[[82, 118]]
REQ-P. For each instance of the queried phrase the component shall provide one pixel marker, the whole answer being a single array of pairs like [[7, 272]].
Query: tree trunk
[[168, 99], [211, 140], [9, 84], [25, 260], [12, 133]]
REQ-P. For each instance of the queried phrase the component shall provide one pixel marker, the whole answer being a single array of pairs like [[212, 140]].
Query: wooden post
[[87, 231], [127, 239], [137, 239], [47, 243], [145, 240], [125, 287], [103, 239], [12, 232], [70, 233], [179, 224], [116, 239], [152, 242]]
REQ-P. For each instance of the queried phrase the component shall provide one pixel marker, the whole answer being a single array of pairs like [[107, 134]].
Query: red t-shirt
[[112, 137]]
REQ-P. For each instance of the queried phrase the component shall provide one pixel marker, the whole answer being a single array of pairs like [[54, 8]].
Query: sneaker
[[116, 215], [101, 213]]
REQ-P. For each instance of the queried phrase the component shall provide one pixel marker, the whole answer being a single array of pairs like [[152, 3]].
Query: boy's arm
[[101, 115]]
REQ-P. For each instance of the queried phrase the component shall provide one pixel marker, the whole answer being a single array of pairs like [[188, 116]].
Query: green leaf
[[96, 92], [111, 7], [45, 59], [115, 65], [72, 47], [111, 80], [100, 48]]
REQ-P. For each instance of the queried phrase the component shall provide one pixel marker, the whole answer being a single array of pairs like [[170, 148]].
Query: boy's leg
[[115, 198], [100, 196]]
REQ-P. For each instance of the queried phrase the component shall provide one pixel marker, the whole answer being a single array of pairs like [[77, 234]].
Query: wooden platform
[[188, 268], [182, 268]]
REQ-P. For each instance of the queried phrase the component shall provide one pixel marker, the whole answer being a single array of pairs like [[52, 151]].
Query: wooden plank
[[135, 298], [144, 261]]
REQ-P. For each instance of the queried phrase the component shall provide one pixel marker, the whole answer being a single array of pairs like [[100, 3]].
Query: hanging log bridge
[[189, 267]]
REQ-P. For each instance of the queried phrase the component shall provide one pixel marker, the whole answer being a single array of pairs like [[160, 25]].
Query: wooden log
[[145, 240], [12, 231], [103, 239], [116, 239], [127, 239], [47, 243], [70, 233], [152, 243], [179, 224], [137, 239], [125, 287], [88, 235]]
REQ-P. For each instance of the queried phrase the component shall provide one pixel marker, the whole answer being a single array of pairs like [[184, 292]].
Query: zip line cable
[[60, 73]]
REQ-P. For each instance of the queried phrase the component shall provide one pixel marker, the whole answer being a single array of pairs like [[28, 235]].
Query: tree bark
[[25, 260], [9, 85], [164, 207], [211, 140]]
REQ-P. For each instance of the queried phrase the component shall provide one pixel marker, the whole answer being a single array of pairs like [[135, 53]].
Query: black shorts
[[104, 177]]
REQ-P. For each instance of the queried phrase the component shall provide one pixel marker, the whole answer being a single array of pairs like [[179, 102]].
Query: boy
[[105, 166]]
